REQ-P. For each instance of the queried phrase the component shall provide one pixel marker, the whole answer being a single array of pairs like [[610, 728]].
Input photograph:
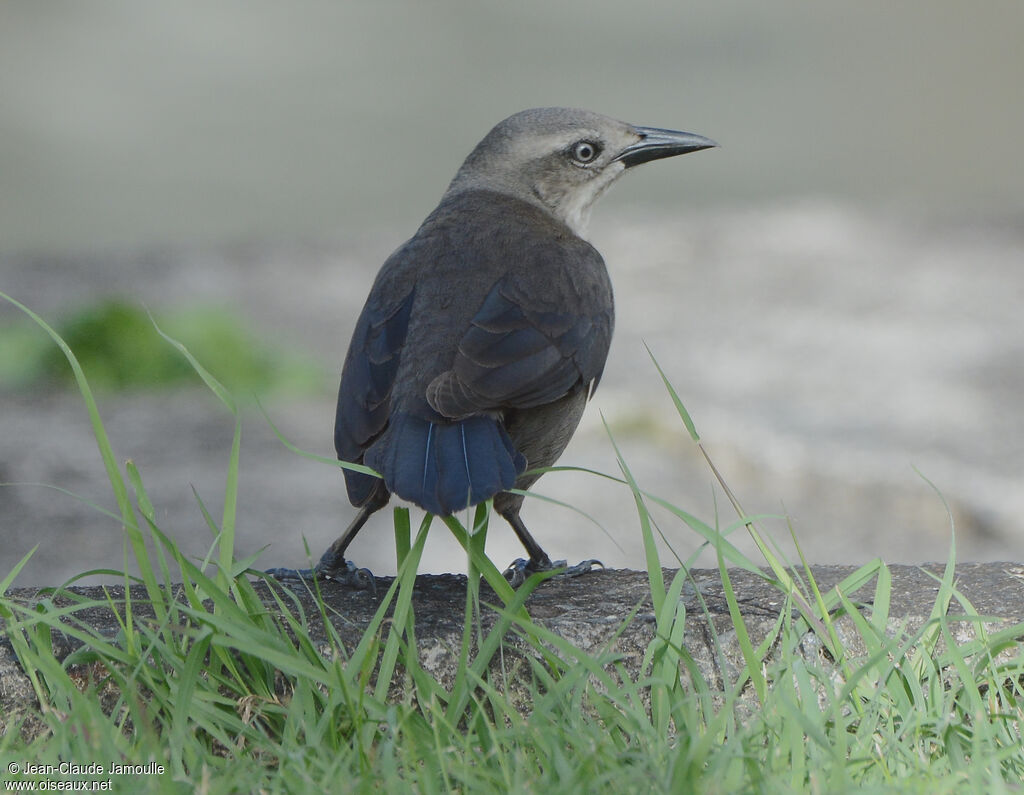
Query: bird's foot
[[519, 570], [344, 572]]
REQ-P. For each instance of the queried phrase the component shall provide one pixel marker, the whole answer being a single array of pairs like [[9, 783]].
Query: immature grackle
[[485, 334]]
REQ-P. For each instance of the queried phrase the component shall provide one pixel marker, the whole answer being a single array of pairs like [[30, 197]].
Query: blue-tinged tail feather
[[445, 467]]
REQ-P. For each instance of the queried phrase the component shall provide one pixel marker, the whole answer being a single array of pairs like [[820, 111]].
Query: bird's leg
[[520, 569], [332, 565]]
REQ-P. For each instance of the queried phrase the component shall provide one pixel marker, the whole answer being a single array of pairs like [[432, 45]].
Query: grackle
[[485, 334]]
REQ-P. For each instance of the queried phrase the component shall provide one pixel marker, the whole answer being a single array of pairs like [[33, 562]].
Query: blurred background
[[835, 292]]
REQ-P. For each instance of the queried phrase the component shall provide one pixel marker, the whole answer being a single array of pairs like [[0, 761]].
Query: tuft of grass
[[231, 697], [116, 345]]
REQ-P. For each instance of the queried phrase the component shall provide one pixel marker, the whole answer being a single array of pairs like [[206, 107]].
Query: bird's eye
[[585, 152]]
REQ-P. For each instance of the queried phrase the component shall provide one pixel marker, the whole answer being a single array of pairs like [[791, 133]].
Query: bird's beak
[[655, 143]]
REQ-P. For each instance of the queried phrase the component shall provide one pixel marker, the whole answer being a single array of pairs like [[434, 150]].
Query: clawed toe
[[292, 575], [583, 567], [347, 574], [351, 575], [520, 569], [333, 566], [517, 572]]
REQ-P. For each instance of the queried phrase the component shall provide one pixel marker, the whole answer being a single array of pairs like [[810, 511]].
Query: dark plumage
[[485, 333]]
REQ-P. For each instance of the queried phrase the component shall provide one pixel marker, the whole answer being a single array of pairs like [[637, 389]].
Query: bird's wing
[[532, 342], [366, 383]]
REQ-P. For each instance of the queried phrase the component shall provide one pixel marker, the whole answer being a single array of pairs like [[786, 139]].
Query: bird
[[486, 333]]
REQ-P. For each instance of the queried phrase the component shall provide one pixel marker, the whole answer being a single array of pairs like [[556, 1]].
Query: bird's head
[[563, 158]]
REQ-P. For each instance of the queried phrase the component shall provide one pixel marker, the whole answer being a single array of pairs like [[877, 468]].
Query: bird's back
[[492, 307]]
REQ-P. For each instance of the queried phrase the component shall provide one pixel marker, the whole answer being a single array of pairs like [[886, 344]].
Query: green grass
[[118, 348], [231, 697]]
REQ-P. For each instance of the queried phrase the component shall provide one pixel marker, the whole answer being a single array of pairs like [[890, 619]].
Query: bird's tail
[[445, 467]]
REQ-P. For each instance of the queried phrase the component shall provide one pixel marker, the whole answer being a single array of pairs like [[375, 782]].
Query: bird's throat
[[573, 207]]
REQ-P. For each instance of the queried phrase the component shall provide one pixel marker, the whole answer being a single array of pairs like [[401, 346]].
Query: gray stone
[[588, 612]]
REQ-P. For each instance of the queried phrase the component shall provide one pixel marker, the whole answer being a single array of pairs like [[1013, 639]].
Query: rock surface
[[589, 613]]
